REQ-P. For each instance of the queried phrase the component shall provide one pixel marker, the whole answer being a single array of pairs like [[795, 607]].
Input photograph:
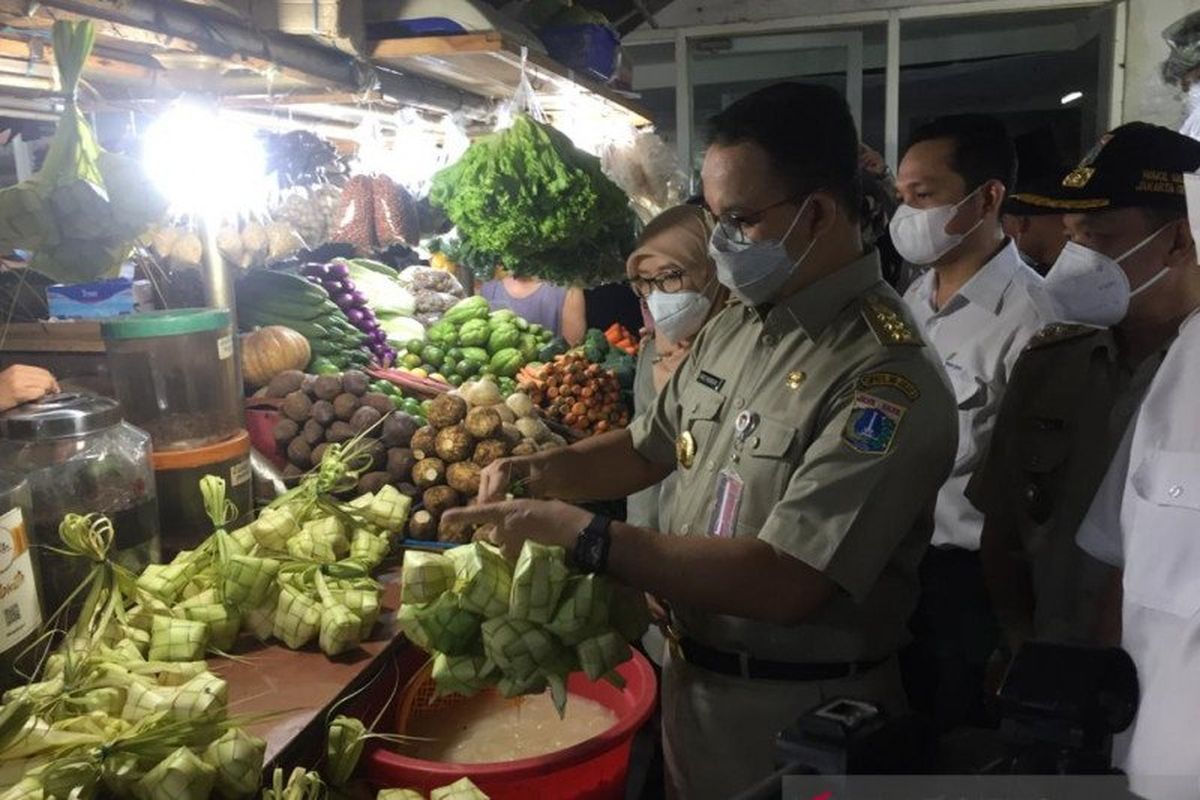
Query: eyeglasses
[[733, 225], [670, 283]]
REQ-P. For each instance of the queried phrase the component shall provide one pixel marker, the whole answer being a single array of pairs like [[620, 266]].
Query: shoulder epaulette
[[889, 325], [1059, 332]]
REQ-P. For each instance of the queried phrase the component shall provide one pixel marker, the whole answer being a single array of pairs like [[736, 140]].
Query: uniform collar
[[815, 306], [987, 287]]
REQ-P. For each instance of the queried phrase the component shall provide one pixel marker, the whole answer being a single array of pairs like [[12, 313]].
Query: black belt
[[744, 666]]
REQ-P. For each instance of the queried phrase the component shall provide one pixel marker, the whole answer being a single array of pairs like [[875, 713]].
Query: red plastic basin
[[592, 770]]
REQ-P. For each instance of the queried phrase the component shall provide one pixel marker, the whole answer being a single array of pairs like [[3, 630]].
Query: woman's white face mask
[[1087, 287], [680, 315]]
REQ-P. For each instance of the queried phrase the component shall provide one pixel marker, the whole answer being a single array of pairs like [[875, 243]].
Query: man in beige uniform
[[811, 429]]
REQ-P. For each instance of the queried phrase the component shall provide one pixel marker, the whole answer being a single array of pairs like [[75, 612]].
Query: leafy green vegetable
[[543, 207]]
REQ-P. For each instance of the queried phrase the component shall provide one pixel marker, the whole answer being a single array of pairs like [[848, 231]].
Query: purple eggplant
[[355, 316], [339, 270], [345, 301], [359, 297], [319, 270], [348, 286]]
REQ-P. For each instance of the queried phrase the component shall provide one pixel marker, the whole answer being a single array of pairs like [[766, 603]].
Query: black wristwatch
[[592, 544]]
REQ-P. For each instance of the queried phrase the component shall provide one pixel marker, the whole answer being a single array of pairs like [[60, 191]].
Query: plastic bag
[[420, 278]]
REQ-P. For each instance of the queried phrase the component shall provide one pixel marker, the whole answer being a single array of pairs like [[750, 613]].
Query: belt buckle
[[744, 665]]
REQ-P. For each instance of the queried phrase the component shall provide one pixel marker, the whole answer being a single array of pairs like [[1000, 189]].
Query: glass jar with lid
[[20, 602], [79, 456], [176, 375]]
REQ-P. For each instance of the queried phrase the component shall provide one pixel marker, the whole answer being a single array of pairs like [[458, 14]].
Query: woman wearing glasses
[[672, 274]]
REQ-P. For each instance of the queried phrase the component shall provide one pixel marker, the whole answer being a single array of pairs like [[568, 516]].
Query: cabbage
[[387, 297], [401, 330]]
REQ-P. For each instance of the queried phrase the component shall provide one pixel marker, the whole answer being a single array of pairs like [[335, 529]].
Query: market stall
[[228, 568]]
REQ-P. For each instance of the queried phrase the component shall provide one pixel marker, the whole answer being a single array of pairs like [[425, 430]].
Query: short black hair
[[983, 150], [807, 132]]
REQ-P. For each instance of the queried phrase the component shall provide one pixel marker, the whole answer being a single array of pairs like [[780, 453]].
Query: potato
[[339, 432], [284, 431], [455, 532], [296, 406], [286, 382], [314, 432], [533, 428], [440, 499], [344, 406], [400, 463], [520, 404], [408, 490], [398, 429], [429, 472], [506, 413], [372, 482], [483, 423], [447, 410], [309, 384], [454, 444], [355, 382], [380, 402], [327, 387], [299, 452], [291, 471], [318, 453], [424, 442], [423, 526], [490, 450], [364, 419], [378, 453], [464, 478], [322, 412]]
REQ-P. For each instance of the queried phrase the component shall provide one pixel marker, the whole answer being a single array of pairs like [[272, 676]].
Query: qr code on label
[[12, 615]]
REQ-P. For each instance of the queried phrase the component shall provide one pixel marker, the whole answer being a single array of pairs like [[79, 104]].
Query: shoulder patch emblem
[[888, 325], [1059, 332], [872, 425], [900, 383]]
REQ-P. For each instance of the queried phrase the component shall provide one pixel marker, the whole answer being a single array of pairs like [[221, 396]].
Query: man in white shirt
[[1145, 520], [975, 306]]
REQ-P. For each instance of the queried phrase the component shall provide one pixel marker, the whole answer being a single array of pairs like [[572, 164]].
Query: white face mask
[[679, 315], [1089, 288], [919, 234], [755, 271]]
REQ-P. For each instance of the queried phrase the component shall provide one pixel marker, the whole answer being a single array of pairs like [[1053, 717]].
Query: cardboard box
[[99, 299], [340, 21]]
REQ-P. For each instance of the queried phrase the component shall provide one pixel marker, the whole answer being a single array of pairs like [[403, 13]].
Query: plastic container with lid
[[177, 473], [79, 456], [176, 375], [20, 601]]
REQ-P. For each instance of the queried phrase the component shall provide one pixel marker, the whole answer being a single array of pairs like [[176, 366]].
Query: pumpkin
[[268, 351]]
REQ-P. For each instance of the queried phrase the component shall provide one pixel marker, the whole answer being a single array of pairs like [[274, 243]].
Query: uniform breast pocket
[[1162, 548], [701, 415], [772, 458]]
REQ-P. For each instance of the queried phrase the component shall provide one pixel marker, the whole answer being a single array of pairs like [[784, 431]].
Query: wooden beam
[[97, 66], [490, 42], [115, 34]]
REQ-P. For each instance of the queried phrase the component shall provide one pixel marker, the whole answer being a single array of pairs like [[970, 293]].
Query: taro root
[[380, 402], [423, 526], [483, 423], [440, 499], [424, 442], [355, 382], [339, 432], [318, 453], [400, 463], [378, 454], [525, 448], [292, 471], [464, 478], [429, 472], [372, 482], [490, 450], [299, 452], [296, 406], [284, 431], [511, 434], [364, 418], [398, 429], [309, 384], [314, 432], [447, 410], [322, 412], [454, 444], [286, 382], [344, 406], [408, 490], [327, 387]]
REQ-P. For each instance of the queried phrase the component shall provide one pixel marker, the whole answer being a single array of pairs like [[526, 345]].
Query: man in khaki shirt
[[810, 428]]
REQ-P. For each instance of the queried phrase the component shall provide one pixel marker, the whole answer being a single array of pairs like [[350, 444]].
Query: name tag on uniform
[[710, 380], [729, 500]]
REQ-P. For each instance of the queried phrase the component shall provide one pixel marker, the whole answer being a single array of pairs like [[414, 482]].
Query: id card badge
[[729, 499]]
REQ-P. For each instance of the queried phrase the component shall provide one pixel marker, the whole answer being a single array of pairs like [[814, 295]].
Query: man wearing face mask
[[808, 429], [975, 305], [1126, 279], [1182, 68], [1036, 230]]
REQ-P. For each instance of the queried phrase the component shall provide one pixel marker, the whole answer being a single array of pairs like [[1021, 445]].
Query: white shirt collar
[[987, 287]]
